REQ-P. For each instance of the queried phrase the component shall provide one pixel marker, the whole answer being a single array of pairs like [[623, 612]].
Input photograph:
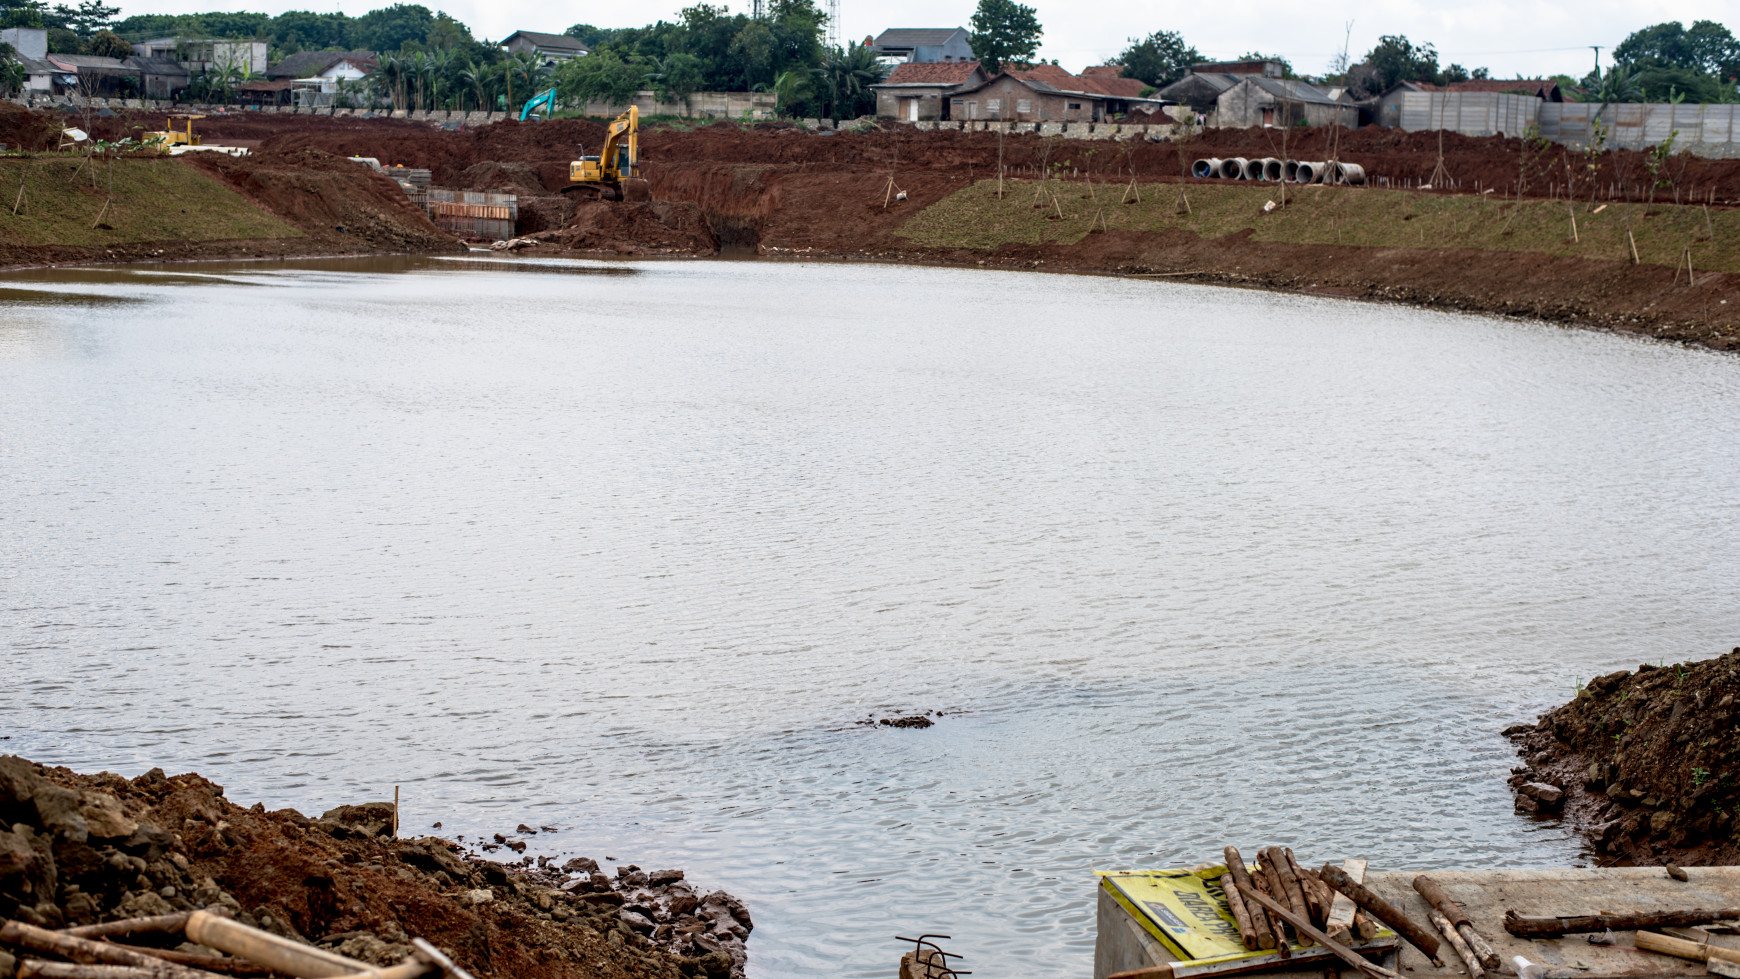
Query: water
[[627, 549]]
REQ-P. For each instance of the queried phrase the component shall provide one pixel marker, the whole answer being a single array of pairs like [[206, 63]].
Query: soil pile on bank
[[1646, 763], [22, 129], [634, 228], [86, 849], [339, 202]]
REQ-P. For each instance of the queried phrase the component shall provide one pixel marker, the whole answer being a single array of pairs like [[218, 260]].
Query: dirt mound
[[22, 129], [504, 178], [544, 213], [86, 849], [329, 198], [628, 228], [1647, 764]]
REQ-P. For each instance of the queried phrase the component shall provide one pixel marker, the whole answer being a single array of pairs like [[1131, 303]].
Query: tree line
[[1666, 62]]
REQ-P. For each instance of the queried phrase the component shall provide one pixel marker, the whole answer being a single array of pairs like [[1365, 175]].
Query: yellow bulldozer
[[614, 174], [170, 136]]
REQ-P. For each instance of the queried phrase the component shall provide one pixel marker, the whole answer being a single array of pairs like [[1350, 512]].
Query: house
[[547, 48], [314, 78], [159, 78], [1260, 100], [27, 42], [899, 45], [1386, 109], [1047, 93], [248, 57], [917, 90], [1201, 87], [93, 76]]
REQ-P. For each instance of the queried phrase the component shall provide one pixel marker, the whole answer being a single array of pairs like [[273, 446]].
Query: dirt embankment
[[83, 849], [1646, 764], [785, 192]]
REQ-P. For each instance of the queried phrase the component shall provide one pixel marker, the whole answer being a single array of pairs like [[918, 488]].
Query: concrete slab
[[1486, 895]]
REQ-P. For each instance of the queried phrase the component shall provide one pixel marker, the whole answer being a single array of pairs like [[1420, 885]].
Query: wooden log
[[224, 966], [412, 968], [34, 968], [1679, 948], [1276, 926], [1235, 865], [88, 952], [1460, 947], [275, 953], [1384, 911], [1453, 913], [1236, 904], [1341, 908], [1364, 926], [1319, 911], [131, 926], [1304, 927], [1295, 894], [1547, 926]]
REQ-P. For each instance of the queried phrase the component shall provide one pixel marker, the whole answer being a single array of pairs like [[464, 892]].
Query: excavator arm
[[544, 100], [614, 172]]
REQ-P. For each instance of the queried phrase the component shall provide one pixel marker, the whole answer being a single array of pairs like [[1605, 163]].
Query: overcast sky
[[1511, 37]]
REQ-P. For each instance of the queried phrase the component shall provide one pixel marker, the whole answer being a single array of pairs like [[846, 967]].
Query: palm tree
[[848, 72], [475, 77], [1617, 85]]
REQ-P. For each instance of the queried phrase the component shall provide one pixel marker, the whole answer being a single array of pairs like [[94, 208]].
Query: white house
[[547, 48], [207, 54]]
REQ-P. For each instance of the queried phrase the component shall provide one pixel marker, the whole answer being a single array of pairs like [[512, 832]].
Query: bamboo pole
[[87, 952], [1452, 912], [1679, 948], [131, 926], [1460, 947], [275, 953]]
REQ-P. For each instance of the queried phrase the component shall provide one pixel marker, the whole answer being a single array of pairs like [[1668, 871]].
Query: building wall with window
[[1009, 99]]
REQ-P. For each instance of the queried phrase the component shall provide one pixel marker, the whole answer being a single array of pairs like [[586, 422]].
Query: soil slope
[[1648, 761], [89, 848]]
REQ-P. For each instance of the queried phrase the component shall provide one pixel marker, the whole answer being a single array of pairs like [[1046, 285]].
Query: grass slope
[[973, 217], [153, 199]]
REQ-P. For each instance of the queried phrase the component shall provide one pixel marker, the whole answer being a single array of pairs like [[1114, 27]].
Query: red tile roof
[[1043, 73], [1117, 88], [1102, 71], [932, 73]]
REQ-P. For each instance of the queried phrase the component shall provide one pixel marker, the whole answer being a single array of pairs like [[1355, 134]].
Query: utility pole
[[1597, 48]]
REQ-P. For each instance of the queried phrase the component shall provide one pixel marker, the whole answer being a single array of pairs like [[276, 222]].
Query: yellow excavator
[[614, 174]]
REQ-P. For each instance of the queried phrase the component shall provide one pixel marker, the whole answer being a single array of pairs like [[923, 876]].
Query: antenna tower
[[755, 10], [833, 23]]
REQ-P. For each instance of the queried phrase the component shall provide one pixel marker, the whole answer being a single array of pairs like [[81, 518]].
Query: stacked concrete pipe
[[1269, 169], [1208, 168]]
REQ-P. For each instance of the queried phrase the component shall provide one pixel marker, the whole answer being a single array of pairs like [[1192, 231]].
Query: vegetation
[[1159, 59], [148, 199], [974, 217], [1004, 30]]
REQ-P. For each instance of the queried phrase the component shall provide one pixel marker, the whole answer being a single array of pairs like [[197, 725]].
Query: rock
[[660, 878], [370, 948], [1660, 822], [527, 830], [914, 721], [634, 919], [104, 818], [1527, 804], [368, 819], [1548, 798], [518, 846], [57, 810], [8, 965], [144, 904], [481, 895], [1676, 872], [581, 865]]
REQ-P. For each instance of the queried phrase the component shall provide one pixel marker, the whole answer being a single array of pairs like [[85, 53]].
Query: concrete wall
[[1703, 130], [1469, 113], [700, 105], [897, 103]]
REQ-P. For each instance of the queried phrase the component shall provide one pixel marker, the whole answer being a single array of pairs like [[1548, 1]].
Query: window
[[1075, 105], [993, 105], [1023, 105]]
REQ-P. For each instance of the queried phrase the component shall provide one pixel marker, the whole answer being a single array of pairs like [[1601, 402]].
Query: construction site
[[1632, 240]]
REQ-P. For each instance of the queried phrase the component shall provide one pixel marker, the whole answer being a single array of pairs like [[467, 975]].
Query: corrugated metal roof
[[305, 63], [561, 42], [1292, 89]]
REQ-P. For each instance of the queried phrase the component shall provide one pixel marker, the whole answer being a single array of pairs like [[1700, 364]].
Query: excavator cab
[[614, 174]]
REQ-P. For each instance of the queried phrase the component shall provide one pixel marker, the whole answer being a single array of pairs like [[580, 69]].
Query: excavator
[[614, 174], [542, 100]]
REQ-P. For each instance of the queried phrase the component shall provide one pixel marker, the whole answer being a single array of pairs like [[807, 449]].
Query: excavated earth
[[83, 849], [779, 191], [1645, 764]]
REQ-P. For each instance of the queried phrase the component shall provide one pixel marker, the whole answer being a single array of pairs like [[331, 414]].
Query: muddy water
[[628, 551]]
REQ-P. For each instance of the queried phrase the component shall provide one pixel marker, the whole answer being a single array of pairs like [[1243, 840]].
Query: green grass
[[974, 218], [154, 199]]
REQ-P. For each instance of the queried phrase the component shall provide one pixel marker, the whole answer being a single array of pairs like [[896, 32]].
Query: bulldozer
[[169, 136], [614, 174]]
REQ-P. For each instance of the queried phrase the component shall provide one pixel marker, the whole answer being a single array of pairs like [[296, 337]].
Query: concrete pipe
[[1290, 171], [1310, 173], [1237, 168], [1271, 168], [1208, 168], [1352, 173]]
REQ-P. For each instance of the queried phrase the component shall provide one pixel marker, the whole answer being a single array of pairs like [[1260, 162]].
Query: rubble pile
[[84, 849], [1647, 763]]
